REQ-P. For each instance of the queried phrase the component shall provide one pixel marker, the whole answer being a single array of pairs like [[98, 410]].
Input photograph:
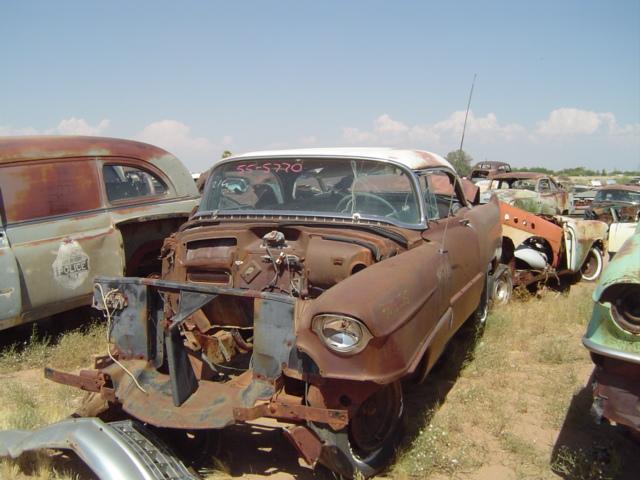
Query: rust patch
[[336, 419], [617, 392], [28, 192]]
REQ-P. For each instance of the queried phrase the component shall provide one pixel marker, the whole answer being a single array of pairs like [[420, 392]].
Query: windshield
[[333, 187], [618, 196], [518, 184]]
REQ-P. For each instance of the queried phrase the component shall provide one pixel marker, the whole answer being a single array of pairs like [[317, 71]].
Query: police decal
[[71, 266]]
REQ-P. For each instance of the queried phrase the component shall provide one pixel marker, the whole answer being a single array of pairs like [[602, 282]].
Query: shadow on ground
[[64, 463], [422, 400], [586, 450], [248, 450], [52, 327]]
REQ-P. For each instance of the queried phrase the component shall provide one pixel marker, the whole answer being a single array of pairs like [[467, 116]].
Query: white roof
[[413, 159]]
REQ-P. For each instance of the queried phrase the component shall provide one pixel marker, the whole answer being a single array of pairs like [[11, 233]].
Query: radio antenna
[[466, 115], [461, 155]]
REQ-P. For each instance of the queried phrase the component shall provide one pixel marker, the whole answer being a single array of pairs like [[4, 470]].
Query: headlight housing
[[340, 333], [626, 309]]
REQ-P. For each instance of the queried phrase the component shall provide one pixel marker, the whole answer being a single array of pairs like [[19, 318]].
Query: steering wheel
[[344, 205], [230, 203]]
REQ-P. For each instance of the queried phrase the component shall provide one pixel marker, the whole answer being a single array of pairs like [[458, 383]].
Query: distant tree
[[226, 154], [579, 172], [544, 170], [461, 161]]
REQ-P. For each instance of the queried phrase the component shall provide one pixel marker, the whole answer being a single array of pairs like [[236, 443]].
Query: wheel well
[[507, 250], [142, 242]]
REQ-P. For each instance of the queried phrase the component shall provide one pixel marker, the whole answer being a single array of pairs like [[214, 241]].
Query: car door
[[456, 231], [10, 302], [59, 232]]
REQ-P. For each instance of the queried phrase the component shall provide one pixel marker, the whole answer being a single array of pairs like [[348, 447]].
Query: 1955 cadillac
[[306, 287]]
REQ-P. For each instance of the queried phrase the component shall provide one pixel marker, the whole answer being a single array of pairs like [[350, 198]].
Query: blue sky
[[558, 81]]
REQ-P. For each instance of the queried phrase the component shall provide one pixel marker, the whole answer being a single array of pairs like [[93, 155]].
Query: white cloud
[[356, 136], [308, 140], [387, 130], [197, 153], [10, 131], [173, 135], [573, 121], [67, 126], [79, 126], [385, 125]]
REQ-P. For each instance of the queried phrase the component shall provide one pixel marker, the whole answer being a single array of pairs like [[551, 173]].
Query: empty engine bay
[[302, 262]]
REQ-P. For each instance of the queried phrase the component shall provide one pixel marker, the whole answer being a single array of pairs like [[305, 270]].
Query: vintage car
[[308, 285], [538, 249], [582, 198], [613, 338], [625, 199], [534, 192], [72, 208], [487, 169]]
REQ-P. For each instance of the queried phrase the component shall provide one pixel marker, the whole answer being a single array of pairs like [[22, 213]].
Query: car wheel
[[502, 285], [593, 265], [368, 444]]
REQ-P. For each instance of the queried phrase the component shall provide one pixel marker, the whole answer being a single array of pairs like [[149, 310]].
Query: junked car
[[582, 198], [72, 208], [625, 199], [538, 249], [305, 288], [613, 338], [534, 192], [619, 206], [487, 169]]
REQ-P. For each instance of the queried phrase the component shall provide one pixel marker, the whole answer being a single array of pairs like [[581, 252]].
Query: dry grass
[[28, 401], [69, 350], [520, 401]]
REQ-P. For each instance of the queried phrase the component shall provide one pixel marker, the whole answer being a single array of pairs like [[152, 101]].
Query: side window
[[440, 196], [543, 185], [124, 182], [429, 198], [43, 189]]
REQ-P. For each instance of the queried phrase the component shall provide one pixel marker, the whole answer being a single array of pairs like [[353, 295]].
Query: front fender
[[401, 300]]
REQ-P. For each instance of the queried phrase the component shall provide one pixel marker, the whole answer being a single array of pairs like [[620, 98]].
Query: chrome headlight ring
[[341, 333]]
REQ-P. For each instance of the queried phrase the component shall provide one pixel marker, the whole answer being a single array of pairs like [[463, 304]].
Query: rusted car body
[[534, 192], [538, 248], [72, 208], [487, 170], [623, 199], [582, 200], [618, 206], [308, 285], [613, 338]]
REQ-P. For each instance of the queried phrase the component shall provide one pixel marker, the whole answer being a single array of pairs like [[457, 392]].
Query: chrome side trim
[[610, 352], [116, 450]]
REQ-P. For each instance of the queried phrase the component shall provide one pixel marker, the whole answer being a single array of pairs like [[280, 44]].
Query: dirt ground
[[511, 404]]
